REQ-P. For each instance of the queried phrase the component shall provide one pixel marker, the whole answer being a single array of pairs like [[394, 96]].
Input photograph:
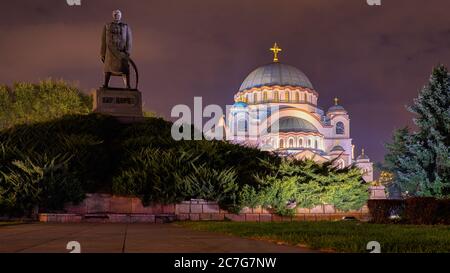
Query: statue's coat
[[116, 48]]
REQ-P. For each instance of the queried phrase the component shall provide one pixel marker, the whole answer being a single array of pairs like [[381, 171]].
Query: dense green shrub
[[278, 193], [421, 210], [220, 155], [382, 210], [249, 196], [306, 184], [159, 169], [151, 175], [427, 211], [347, 195], [210, 184], [184, 170], [41, 181], [88, 140], [73, 155], [443, 212]]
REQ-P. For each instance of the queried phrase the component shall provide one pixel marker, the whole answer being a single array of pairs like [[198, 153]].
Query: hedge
[[416, 210]]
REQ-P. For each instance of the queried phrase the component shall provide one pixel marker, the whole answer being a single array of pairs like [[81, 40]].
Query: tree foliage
[[420, 160], [307, 184], [38, 181], [27, 103]]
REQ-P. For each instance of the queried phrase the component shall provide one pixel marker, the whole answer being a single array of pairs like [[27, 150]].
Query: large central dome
[[276, 74]]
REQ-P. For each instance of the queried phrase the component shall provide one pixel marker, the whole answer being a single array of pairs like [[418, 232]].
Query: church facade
[[276, 109]]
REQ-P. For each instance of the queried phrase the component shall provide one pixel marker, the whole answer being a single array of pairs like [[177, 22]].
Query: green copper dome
[[293, 124]]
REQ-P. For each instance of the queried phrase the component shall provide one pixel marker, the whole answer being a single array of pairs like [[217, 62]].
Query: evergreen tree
[[421, 159], [398, 150], [297, 183], [26, 103]]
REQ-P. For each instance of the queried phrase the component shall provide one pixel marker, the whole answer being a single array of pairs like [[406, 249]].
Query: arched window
[[281, 143], [297, 97], [275, 96], [255, 98], [309, 143], [265, 96], [291, 143], [316, 144], [340, 129], [300, 142], [286, 96], [242, 125], [340, 164]]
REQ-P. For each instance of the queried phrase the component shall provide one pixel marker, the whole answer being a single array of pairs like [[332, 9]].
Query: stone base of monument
[[124, 104], [377, 192]]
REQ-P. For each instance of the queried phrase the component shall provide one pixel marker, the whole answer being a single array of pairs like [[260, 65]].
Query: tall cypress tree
[[421, 159]]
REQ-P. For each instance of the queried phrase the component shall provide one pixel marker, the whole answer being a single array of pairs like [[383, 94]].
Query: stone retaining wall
[[116, 209], [203, 210], [105, 203], [105, 218]]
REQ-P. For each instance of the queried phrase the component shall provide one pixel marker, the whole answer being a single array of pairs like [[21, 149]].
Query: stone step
[[165, 218], [96, 216]]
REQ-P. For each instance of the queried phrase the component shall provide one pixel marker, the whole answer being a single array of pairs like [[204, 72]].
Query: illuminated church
[[281, 103]]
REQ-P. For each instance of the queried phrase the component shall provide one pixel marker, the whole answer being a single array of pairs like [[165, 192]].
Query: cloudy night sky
[[375, 59]]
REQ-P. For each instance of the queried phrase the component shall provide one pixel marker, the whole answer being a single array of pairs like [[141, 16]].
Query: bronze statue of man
[[116, 49]]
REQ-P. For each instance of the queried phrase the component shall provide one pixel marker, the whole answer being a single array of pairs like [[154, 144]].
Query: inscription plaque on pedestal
[[121, 103]]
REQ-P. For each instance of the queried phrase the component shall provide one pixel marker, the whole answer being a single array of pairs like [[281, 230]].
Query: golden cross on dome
[[276, 49], [336, 101]]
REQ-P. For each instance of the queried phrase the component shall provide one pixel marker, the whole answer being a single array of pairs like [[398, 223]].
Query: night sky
[[375, 59]]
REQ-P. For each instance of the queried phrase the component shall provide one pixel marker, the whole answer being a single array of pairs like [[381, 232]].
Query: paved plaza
[[128, 238]]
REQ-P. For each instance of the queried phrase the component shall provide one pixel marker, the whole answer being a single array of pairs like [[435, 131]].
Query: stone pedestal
[[377, 192], [125, 104]]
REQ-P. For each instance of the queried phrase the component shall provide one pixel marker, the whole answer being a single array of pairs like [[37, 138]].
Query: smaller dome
[[337, 148], [362, 157], [240, 104], [336, 107]]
